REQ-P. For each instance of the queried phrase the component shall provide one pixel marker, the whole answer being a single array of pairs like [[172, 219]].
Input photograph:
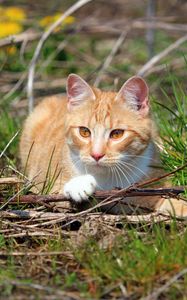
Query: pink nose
[[97, 156]]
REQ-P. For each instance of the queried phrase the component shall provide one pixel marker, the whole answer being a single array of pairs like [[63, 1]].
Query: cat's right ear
[[78, 91]]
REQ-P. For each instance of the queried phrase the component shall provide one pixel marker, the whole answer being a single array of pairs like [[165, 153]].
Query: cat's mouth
[[96, 163]]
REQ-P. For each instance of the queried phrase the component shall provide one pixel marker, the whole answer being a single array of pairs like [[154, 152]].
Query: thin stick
[[161, 177], [150, 33], [39, 287], [44, 37], [14, 196], [6, 147], [10, 180], [162, 54], [110, 57], [156, 293], [15, 87], [19, 38], [50, 253]]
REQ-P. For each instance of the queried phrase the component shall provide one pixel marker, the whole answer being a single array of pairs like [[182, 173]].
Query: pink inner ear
[[134, 92], [71, 87], [77, 90]]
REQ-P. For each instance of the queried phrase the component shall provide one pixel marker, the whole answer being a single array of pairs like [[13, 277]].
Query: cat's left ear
[[135, 94], [78, 91]]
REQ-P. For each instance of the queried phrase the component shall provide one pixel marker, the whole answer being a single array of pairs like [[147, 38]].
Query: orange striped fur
[[52, 147]]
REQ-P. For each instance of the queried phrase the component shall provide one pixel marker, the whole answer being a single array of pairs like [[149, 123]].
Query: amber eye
[[84, 132], [116, 134]]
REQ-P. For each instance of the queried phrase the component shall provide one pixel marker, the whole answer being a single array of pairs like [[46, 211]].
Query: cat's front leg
[[80, 188]]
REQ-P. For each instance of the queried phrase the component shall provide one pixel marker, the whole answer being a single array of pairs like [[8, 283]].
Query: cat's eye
[[116, 134], [84, 132]]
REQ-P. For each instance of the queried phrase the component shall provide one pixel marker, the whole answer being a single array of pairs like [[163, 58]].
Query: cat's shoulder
[[49, 106], [48, 109], [52, 103]]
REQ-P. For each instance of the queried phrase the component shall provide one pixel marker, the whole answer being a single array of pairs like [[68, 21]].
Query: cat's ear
[[78, 91], [135, 94]]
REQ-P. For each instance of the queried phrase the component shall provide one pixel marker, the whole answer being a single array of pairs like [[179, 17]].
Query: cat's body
[[93, 140]]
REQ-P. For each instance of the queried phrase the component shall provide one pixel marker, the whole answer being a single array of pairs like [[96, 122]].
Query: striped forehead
[[101, 113]]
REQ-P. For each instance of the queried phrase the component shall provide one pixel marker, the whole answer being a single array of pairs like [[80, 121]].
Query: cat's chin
[[98, 165]]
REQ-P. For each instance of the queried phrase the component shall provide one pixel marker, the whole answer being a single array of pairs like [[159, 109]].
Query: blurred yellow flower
[[10, 20], [13, 13], [11, 50], [69, 20], [48, 20], [1, 12], [9, 28]]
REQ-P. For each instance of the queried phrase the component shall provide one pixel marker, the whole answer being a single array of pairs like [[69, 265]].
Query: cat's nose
[[97, 156]]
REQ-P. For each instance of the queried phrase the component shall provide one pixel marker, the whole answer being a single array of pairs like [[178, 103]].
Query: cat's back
[[41, 124]]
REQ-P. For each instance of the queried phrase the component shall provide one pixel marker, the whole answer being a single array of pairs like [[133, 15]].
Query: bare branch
[[111, 55], [162, 54], [44, 37], [113, 28], [162, 177], [28, 35]]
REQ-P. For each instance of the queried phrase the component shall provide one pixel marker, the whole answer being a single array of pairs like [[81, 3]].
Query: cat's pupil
[[84, 132], [116, 133]]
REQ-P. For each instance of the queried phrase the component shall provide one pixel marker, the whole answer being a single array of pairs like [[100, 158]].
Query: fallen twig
[[129, 192], [10, 180], [157, 292], [55, 292], [49, 253], [53, 218], [156, 179]]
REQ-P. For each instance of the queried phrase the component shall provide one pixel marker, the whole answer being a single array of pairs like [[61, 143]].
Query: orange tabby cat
[[94, 140]]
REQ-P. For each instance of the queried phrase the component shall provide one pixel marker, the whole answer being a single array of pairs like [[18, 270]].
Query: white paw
[[80, 188]]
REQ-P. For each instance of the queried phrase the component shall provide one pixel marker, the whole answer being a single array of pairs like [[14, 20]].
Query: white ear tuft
[[135, 93], [78, 91]]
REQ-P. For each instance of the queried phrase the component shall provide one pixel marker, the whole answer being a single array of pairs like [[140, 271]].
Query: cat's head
[[107, 127]]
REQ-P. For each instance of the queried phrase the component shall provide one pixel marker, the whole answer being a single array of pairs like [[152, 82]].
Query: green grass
[[140, 262], [172, 119], [137, 263]]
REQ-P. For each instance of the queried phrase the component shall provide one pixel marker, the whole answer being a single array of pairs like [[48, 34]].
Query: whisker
[[123, 173], [118, 173], [115, 175], [133, 166], [130, 169], [111, 171], [139, 156], [77, 161], [85, 169]]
